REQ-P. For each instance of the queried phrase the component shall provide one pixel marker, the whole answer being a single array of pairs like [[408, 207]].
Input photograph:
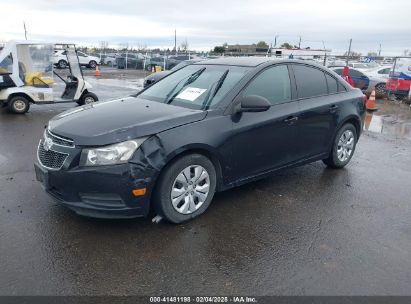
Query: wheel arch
[[355, 121], [202, 150], [21, 94]]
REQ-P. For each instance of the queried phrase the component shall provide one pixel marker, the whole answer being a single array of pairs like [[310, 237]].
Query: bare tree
[[184, 46], [141, 47]]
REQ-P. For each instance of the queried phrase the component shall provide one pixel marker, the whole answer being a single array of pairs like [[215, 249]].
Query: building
[[306, 53], [245, 50]]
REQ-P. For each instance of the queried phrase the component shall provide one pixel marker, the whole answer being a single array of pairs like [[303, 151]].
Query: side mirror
[[253, 103]]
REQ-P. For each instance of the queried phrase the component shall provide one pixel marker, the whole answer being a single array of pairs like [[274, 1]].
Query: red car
[[400, 78]]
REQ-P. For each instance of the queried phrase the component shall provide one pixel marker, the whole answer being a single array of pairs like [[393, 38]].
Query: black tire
[[333, 160], [18, 105], [62, 64], [162, 194], [86, 98], [92, 64], [380, 89]]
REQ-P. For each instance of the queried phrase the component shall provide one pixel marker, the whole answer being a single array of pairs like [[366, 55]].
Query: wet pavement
[[304, 231], [392, 120]]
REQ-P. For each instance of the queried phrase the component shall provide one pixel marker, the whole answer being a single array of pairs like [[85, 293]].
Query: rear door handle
[[291, 119], [333, 108]]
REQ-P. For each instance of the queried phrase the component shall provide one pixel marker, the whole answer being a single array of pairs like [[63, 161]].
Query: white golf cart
[[26, 76]]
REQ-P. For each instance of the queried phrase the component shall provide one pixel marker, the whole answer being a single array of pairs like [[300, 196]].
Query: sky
[[205, 24]]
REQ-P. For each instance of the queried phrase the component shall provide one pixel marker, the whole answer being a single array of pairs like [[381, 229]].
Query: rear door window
[[332, 84], [310, 81], [272, 83]]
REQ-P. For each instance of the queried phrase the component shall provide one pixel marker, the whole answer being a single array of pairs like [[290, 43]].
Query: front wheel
[[87, 98], [92, 64], [343, 147], [18, 105], [185, 188]]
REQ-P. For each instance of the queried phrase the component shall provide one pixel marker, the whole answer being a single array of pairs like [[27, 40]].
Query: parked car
[[359, 65], [157, 61], [207, 127], [387, 61], [154, 77], [109, 59], [60, 59], [399, 82], [365, 80], [336, 63], [132, 61], [174, 60], [381, 72]]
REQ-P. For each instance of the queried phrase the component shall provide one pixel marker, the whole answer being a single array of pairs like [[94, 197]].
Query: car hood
[[119, 120]]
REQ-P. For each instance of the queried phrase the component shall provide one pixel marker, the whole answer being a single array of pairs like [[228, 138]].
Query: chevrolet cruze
[[205, 128]]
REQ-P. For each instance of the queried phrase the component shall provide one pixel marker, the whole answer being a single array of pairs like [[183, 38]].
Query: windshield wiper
[[191, 78], [211, 93]]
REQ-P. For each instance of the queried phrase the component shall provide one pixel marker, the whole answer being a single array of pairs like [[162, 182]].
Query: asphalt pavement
[[303, 231]]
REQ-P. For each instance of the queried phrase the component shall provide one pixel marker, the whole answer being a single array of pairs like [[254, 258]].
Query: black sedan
[[207, 127]]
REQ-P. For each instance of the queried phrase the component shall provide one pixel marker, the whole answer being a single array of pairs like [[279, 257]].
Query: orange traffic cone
[[371, 102], [98, 73]]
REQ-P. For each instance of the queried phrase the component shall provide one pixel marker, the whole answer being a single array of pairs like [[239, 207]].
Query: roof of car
[[239, 61]]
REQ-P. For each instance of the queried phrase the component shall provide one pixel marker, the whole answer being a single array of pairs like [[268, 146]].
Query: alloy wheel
[[345, 145]]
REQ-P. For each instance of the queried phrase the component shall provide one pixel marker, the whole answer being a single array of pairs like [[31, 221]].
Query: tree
[[372, 54], [287, 46], [184, 46], [219, 49], [262, 44], [407, 53]]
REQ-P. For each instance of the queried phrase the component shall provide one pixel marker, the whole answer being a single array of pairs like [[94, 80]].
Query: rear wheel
[[18, 105], [185, 189], [87, 98], [343, 147]]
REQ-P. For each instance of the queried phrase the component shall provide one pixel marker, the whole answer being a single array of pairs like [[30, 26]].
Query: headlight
[[110, 155]]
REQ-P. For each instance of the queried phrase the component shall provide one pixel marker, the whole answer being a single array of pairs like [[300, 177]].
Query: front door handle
[[333, 108], [291, 119]]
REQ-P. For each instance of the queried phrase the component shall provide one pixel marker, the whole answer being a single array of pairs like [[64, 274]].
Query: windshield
[[196, 86]]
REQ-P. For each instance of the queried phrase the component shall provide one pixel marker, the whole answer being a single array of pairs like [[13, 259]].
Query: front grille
[[50, 159], [58, 140]]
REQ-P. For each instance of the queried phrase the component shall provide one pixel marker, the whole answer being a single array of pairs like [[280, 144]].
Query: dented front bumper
[[103, 192]]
